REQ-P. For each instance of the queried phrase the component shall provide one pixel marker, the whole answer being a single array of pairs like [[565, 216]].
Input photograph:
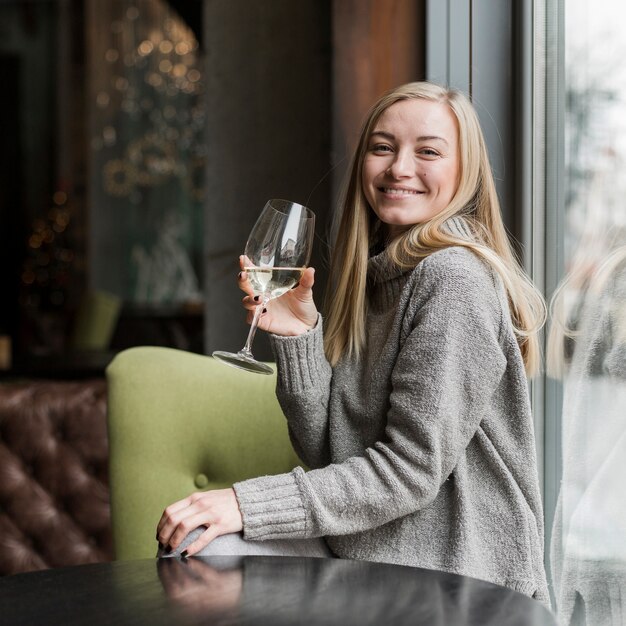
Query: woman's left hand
[[218, 510]]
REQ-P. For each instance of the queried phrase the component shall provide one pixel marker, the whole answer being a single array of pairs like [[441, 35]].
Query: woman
[[410, 401]]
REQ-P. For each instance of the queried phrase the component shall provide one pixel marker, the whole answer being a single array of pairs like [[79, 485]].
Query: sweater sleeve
[[445, 374], [303, 391]]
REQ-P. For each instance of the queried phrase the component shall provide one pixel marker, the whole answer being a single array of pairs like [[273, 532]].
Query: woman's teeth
[[400, 192]]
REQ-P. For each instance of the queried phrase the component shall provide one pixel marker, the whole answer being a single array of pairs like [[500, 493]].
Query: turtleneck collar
[[380, 267], [386, 279]]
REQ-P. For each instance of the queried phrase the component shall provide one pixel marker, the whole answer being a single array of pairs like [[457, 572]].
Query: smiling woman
[[427, 139], [409, 402], [411, 168]]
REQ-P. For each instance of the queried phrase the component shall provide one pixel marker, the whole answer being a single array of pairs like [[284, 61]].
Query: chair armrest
[[180, 422]]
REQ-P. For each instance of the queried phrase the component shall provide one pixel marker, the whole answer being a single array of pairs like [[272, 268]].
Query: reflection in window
[[587, 343]]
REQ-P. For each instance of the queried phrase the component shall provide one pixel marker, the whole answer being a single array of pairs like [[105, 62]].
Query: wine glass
[[277, 252]]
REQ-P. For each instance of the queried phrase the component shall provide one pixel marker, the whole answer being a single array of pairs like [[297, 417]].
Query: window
[[549, 76], [580, 65]]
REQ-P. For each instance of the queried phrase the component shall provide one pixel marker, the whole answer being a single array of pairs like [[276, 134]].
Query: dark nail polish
[[160, 546], [168, 549], [256, 298], [183, 554]]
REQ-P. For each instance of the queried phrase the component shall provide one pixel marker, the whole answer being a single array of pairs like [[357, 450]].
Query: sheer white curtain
[[587, 339]]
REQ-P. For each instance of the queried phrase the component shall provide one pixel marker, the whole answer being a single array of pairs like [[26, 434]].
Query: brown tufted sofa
[[54, 497]]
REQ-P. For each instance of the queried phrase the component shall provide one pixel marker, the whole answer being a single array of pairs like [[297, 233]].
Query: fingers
[[307, 279], [244, 284], [187, 525], [217, 509], [242, 278], [169, 511], [203, 540], [173, 520], [251, 302]]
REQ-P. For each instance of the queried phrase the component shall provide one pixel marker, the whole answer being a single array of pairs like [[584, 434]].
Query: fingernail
[[183, 554], [168, 549], [256, 298], [160, 546], [264, 311]]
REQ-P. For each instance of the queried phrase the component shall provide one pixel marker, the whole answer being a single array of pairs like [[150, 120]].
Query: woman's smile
[[399, 192]]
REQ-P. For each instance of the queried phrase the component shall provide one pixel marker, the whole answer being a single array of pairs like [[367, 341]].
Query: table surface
[[260, 590]]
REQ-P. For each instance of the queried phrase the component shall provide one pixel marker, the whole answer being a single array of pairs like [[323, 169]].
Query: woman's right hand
[[294, 313]]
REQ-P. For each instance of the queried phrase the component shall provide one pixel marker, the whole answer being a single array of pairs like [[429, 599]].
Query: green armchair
[[180, 422]]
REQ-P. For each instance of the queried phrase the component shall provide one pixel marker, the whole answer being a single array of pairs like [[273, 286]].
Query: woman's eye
[[429, 152], [381, 147]]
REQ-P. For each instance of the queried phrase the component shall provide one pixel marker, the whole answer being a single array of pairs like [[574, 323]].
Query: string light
[[148, 161], [145, 48], [50, 262], [166, 46], [147, 134], [119, 177]]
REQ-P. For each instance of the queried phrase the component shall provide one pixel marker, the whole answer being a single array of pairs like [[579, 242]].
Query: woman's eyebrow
[[431, 138], [382, 133], [391, 136]]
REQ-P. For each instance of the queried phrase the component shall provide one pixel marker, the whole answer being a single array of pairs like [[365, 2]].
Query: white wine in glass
[[277, 252]]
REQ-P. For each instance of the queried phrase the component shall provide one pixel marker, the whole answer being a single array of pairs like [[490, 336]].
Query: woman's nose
[[402, 165]]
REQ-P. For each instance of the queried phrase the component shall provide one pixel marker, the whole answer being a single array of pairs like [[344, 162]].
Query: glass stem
[[247, 349]]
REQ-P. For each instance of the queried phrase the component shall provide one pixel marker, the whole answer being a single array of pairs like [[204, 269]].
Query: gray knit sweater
[[422, 451]]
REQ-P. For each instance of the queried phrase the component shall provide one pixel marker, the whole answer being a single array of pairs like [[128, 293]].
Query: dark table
[[260, 590]]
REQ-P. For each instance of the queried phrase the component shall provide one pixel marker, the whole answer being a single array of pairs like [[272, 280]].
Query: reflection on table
[[260, 590]]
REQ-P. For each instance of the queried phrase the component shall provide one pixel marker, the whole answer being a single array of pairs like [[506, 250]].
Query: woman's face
[[411, 166]]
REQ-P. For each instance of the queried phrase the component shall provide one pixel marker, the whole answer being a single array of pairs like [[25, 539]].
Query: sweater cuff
[[301, 362], [271, 507]]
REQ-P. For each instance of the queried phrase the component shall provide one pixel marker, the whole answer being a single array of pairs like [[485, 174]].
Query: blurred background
[[141, 138]]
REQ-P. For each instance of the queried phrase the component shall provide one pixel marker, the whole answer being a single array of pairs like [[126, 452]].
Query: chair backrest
[[180, 422]]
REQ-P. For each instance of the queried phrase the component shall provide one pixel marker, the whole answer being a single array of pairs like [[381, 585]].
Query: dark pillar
[[268, 78]]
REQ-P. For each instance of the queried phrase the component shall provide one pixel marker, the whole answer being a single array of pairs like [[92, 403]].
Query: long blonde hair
[[475, 200]]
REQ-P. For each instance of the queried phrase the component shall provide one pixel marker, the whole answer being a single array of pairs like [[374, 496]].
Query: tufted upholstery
[[54, 501]]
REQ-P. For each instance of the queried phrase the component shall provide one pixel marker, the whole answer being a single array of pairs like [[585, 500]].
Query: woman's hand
[[294, 313], [217, 509]]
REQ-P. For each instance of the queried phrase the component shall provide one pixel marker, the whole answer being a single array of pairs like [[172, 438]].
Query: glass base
[[243, 362]]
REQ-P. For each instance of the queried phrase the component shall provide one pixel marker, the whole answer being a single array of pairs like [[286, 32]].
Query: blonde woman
[[409, 400]]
